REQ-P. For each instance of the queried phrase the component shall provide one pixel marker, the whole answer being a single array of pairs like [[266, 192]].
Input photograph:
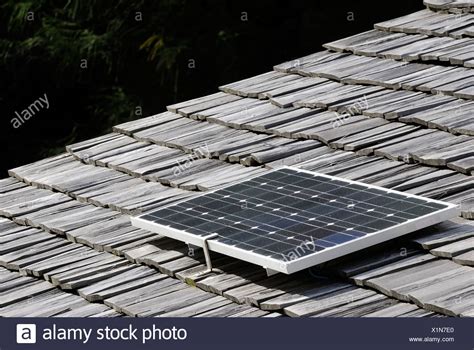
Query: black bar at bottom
[[239, 333]]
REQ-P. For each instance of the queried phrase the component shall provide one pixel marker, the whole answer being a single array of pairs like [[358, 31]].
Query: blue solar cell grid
[[287, 211]]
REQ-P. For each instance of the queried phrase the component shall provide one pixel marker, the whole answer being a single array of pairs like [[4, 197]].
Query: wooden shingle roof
[[390, 107]]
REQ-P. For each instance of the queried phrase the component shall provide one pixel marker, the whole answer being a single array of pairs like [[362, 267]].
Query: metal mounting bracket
[[207, 254], [271, 272]]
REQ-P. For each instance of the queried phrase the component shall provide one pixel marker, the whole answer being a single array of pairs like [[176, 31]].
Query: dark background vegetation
[[146, 64]]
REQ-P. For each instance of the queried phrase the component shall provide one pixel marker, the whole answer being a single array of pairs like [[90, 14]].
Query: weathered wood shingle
[[390, 107]]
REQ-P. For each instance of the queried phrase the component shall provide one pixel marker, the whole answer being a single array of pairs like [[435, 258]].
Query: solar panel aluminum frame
[[292, 266]]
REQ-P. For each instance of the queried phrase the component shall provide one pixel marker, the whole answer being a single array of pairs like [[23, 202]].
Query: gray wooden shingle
[[404, 91]]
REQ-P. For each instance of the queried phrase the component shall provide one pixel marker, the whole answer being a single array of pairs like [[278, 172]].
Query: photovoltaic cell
[[289, 219]]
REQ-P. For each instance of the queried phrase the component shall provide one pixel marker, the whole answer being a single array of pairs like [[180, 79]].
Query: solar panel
[[289, 219]]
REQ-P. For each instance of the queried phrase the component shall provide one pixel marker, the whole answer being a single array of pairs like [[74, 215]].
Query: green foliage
[[118, 49], [99, 59], [19, 11]]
